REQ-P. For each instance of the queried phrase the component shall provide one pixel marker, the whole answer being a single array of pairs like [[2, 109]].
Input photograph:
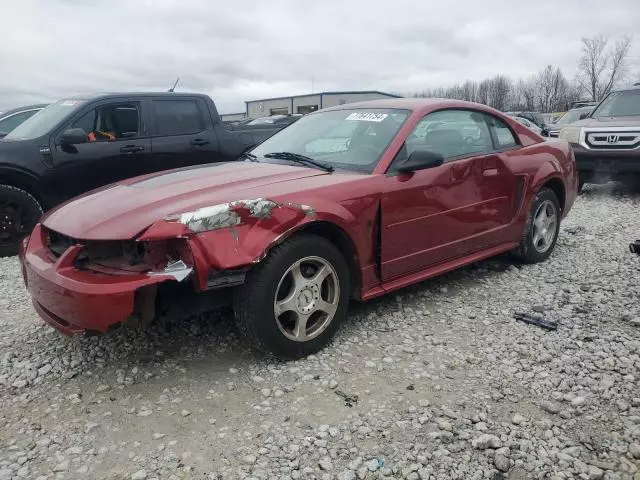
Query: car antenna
[[174, 85]]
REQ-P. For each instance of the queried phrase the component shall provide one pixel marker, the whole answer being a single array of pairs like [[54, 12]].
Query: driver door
[[441, 213], [100, 161]]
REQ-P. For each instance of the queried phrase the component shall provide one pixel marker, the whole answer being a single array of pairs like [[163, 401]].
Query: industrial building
[[304, 103], [233, 117]]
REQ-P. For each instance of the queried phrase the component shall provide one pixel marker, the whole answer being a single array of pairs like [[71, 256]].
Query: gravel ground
[[436, 382]]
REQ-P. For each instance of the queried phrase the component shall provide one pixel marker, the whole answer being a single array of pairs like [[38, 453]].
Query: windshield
[[344, 139], [619, 104], [572, 116], [43, 121]]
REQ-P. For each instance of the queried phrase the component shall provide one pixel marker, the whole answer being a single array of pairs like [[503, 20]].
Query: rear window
[[177, 117]]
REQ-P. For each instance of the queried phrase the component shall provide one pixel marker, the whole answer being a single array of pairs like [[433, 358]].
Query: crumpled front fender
[[238, 234]]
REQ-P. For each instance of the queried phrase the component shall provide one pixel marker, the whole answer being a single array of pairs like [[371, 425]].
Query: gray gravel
[[435, 382]]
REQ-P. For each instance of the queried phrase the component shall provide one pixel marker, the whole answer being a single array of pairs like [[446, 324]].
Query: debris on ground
[[538, 321]]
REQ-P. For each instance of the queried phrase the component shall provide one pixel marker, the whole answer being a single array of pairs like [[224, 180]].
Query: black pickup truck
[[81, 143]]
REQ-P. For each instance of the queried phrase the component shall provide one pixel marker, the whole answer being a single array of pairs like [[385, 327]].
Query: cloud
[[256, 49]]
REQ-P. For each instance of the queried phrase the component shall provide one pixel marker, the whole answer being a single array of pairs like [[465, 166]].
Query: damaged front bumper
[[178, 266], [75, 301]]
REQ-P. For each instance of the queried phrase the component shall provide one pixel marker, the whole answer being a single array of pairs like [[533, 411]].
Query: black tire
[[254, 301], [527, 251], [17, 207]]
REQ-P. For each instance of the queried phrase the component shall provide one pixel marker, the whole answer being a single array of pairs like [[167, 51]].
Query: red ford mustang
[[349, 202]]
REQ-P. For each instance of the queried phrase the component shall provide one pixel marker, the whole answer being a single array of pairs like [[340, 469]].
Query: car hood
[[11, 151], [123, 210], [608, 122]]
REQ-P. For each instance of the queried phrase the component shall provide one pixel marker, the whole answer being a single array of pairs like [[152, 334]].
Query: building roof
[[359, 92]]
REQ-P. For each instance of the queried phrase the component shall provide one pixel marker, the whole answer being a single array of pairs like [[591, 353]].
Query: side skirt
[[435, 270]]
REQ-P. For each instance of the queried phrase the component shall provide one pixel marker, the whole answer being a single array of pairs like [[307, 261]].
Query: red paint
[[431, 221], [82, 299]]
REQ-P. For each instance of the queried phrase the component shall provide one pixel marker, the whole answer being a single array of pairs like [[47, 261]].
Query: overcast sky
[[248, 49]]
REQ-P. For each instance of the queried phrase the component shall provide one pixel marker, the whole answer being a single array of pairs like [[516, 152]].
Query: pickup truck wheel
[[19, 213], [542, 228], [294, 301]]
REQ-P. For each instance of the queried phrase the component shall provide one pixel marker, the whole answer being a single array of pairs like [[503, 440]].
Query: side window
[[504, 135], [177, 117], [110, 122], [9, 123], [453, 133], [87, 122]]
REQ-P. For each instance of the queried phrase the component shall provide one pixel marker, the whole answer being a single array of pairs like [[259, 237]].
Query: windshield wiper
[[302, 159], [249, 156]]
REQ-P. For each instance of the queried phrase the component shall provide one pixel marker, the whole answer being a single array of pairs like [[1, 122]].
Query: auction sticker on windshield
[[367, 117]]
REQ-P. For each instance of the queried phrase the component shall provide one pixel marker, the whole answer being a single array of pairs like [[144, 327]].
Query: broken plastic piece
[[540, 322], [177, 270], [349, 400]]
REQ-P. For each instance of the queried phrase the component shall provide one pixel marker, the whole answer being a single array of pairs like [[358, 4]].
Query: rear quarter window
[[505, 137]]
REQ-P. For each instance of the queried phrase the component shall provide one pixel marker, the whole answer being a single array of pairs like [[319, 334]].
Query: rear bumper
[[75, 301], [592, 163]]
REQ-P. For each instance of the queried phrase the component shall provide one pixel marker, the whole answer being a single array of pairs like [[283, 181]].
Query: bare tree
[[499, 92], [483, 92], [470, 91], [602, 67], [552, 89]]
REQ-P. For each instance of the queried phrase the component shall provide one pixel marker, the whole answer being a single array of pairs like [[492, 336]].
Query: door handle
[[199, 142], [131, 149], [490, 172]]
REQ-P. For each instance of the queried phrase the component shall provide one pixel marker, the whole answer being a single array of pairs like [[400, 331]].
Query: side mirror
[[73, 136], [421, 160], [584, 115]]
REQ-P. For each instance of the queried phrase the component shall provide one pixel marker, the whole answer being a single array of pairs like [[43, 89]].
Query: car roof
[[100, 95], [414, 104]]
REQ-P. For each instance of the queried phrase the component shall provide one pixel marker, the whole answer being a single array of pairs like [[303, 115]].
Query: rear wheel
[[541, 231], [294, 301], [19, 213]]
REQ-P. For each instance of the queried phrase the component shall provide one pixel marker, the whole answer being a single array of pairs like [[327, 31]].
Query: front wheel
[[19, 213], [542, 228], [294, 301]]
